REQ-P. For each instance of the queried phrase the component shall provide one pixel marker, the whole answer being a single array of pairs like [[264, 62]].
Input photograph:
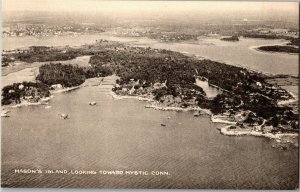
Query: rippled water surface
[[124, 135]]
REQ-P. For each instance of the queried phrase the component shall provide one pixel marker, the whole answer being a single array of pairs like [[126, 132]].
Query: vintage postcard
[[149, 94]]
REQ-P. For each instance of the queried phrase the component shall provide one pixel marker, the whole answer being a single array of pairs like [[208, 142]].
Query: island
[[232, 38], [168, 80], [292, 46], [279, 48]]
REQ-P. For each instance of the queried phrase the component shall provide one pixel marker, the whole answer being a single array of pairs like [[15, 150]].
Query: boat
[[64, 116], [4, 113], [163, 125], [196, 113], [92, 103]]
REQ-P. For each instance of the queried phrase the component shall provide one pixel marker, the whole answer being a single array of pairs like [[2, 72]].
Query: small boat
[[92, 103], [196, 113], [64, 116], [163, 125], [4, 113]]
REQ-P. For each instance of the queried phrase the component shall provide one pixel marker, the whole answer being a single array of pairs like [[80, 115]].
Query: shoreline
[[119, 97], [65, 89], [219, 119], [285, 102], [44, 99], [164, 108], [132, 43], [272, 52], [238, 65], [213, 118], [278, 137], [284, 43], [154, 104], [129, 43], [27, 103], [24, 65]]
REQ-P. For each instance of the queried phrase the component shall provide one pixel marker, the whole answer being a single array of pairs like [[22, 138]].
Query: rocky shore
[[281, 138], [236, 125], [240, 123]]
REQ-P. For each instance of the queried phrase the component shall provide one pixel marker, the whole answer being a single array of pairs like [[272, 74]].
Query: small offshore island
[[291, 47], [279, 48], [232, 38], [168, 79]]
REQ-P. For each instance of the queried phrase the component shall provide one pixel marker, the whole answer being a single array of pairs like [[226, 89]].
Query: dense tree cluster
[[69, 75], [279, 48], [66, 75], [43, 53], [42, 57], [242, 89], [30, 91], [97, 71], [151, 68]]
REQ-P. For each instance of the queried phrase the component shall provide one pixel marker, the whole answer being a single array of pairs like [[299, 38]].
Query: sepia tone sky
[[128, 6], [176, 10]]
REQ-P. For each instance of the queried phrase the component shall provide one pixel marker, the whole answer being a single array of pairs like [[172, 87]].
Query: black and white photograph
[[150, 94]]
